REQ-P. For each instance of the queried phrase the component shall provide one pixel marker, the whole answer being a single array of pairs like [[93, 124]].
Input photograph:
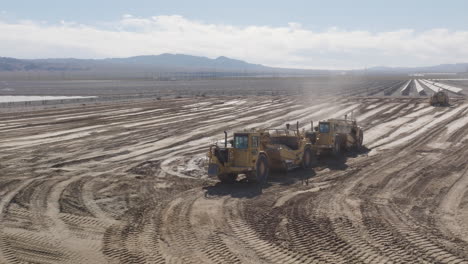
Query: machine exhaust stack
[[225, 139]]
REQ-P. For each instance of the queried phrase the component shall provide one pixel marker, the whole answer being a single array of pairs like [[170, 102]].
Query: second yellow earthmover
[[336, 135]]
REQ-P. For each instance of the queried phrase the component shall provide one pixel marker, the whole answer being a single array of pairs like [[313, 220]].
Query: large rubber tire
[[262, 169], [227, 178], [308, 159]]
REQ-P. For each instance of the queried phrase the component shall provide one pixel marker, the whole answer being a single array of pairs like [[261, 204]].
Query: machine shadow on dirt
[[285, 178], [238, 189], [246, 189], [339, 162]]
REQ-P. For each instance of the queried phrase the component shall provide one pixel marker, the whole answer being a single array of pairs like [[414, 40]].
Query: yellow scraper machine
[[439, 98], [254, 152], [337, 135]]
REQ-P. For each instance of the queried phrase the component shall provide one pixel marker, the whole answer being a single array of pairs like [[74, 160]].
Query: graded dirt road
[[126, 183]]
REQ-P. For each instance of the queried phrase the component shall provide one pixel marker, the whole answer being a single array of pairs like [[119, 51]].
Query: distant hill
[[11, 64], [187, 61], [166, 62], [170, 61]]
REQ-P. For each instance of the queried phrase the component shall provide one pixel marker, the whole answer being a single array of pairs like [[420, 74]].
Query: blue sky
[[369, 15], [303, 34]]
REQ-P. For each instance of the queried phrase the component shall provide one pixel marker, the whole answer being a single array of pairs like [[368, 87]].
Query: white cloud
[[289, 46]]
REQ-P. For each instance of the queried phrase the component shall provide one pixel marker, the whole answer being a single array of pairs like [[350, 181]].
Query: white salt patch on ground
[[420, 106], [28, 98], [140, 150], [47, 138], [97, 113], [324, 109], [76, 116], [408, 127], [218, 119], [143, 148], [372, 106], [457, 124], [419, 112], [196, 105], [302, 115], [146, 112], [345, 111], [316, 115], [248, 118], [58, 133], [235, 102], [159, 120], [419, 130], [175, 117], [454, 126], [439, 145], [374, 111], [112, 114], [377, 131], [120, 115], [391, 109]]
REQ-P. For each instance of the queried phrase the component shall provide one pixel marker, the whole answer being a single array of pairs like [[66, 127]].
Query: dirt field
[[126, 183]]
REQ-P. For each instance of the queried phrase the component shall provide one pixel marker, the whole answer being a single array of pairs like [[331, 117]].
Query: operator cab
[[324, 127], [244, 148], [325, 135], [245, 140], [241, 141]]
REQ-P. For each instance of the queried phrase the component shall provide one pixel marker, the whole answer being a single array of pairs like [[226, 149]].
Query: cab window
[[254, 142], [324, 127], [241, 141]]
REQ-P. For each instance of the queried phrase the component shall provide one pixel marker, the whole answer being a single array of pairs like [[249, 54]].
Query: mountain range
[[167, 61], [189, 63]]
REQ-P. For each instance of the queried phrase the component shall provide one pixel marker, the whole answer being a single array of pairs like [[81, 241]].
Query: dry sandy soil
[[126, 183]]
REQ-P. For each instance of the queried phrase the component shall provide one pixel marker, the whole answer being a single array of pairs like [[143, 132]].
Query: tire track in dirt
[[341, 223], [191, 235], [346, 227], [266, 250], [449, 208], [7, 255], [448, 256]]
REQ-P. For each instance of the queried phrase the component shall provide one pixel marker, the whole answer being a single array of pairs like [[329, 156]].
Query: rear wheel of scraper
[[227, 178], [261, 169], [308, 159]]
